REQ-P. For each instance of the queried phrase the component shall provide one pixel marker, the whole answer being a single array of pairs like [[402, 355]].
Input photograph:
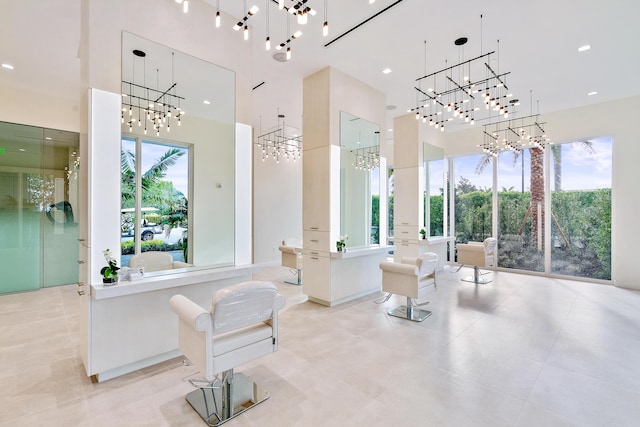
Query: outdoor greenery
[[156, 192], [584, 217]]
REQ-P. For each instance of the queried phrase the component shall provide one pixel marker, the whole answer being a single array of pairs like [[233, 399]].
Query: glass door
[[38, 205]]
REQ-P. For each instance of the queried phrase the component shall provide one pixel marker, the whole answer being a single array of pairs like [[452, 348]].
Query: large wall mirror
[[359, 180], [435, 209], [178, 157]]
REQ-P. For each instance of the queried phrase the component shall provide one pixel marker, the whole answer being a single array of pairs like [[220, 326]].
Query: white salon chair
[[413, 278], [478, 254], [240, 326], [155, 261], [291, 250]]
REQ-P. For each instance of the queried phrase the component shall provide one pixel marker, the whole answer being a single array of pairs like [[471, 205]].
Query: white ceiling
[[538, 46]]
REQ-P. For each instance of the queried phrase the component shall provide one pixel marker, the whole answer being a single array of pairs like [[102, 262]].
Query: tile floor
[[521, 351]]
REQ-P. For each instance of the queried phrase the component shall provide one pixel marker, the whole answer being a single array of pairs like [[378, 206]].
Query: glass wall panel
[[581, 209], [518, 211], [473, 179], [38, 207]]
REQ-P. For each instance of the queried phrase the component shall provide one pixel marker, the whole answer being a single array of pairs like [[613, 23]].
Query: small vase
[[109, 281], [339, 248]]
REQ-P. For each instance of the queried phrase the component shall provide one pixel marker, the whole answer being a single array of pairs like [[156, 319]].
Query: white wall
[[277, 202], [617, 119]]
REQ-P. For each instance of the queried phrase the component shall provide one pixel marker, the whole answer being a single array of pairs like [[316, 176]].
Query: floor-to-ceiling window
[[39, 198], [520, 210], [155, 194], [581, 208], [473, 180]]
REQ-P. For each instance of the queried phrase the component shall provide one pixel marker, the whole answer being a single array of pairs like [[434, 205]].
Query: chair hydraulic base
[[218, 404], [409, 311], [297, 281], [476, 277]]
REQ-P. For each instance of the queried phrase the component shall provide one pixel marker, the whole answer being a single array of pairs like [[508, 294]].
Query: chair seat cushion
[[224, 343]]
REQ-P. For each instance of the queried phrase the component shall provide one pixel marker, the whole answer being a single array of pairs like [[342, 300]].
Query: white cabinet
[[407, 197], [317, 275], [315, 189]]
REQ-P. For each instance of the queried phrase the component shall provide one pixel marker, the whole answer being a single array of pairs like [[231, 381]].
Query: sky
[[581, 170]]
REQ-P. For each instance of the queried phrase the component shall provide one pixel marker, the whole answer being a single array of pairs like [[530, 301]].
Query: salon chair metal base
[[409, 312], [297, 281], [219, 403], [476, 277]]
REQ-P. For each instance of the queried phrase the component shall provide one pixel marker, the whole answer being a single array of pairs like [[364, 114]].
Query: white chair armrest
[[394, 267], [191, 313]]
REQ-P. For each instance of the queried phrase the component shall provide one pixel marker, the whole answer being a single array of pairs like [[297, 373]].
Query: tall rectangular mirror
[[435, 202], [178, 157], [359, 180]]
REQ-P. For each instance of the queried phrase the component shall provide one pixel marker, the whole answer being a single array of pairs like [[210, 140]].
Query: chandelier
[[276, 144], [366, 158], [459, 92], [144, 105], [300, 9], [514, 135]]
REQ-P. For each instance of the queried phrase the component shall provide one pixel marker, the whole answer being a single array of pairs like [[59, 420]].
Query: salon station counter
[[332, 278], [130, 325]]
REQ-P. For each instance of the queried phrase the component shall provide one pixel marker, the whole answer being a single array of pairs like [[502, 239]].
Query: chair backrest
[[426, 263], [152, 261], [490, 244], [241, 305]]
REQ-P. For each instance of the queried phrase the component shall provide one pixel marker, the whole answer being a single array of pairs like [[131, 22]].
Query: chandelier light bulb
[[185, 6], [267, 43], [280, 4], [218, 19], [254, 9], [288, 53], [246, 32], [325, 29]]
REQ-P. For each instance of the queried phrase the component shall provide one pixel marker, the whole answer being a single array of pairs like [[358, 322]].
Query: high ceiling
[[538, 45]]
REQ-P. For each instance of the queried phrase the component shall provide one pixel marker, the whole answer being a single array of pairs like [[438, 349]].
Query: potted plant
[[423, 233], [341, 246], [110, 272]]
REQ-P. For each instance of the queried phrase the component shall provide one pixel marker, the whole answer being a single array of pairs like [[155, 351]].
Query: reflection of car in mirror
[[148, 230]]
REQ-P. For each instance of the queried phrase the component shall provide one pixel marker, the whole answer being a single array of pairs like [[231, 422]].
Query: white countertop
[[156, 282], [362, 251]]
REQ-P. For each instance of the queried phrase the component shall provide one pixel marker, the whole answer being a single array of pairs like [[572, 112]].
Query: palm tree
[[537, 179], [150, 178]]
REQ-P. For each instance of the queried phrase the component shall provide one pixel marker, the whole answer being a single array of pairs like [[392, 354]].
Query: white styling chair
[[478, 254], [241, 325], [291, 250], [413, 278]]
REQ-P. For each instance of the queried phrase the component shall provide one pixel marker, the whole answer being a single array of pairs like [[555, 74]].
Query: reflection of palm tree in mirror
[[153, 186], [537, 178]]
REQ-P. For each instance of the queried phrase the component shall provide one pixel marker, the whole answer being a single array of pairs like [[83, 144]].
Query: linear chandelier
[[459, 92], [366, 158], [514, 135], [153, 107], [276, 144], [298, 8]]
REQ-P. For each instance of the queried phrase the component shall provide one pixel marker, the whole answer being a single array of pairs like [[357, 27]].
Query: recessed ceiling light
[[592, 93], [386, 70], [583, 48], [206, 102], [7, 66]]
